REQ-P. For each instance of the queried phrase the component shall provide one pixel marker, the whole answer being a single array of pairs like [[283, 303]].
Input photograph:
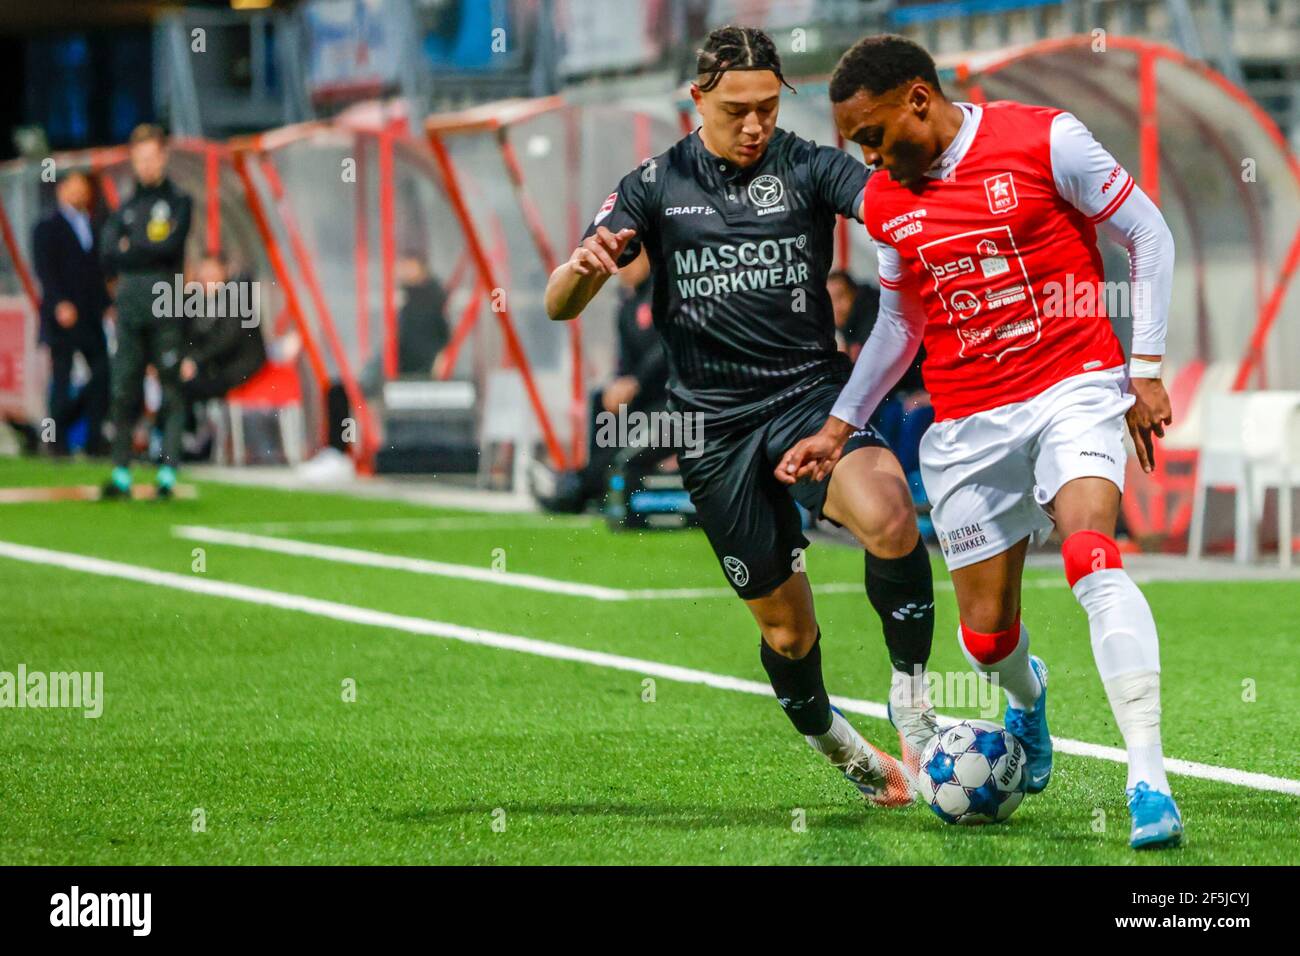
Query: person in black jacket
[[73, 300], [144, 245], [222, 351], [640, 384]]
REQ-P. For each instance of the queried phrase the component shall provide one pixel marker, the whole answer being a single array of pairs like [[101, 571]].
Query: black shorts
[[749, 516]]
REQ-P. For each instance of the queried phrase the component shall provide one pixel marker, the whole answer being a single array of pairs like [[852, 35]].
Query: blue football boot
[[1156, 822], [1030, 727]]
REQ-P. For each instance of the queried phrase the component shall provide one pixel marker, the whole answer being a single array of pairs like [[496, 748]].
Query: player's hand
[[598, 254], [814, 457], [1148, 417], [619, 392], [65, 313]]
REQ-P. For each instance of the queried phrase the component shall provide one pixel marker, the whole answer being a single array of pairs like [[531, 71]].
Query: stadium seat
[[1251, 443], [273, 388]]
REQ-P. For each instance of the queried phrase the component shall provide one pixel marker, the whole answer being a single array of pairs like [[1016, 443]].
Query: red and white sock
[[1125, 647], [1004, 655]]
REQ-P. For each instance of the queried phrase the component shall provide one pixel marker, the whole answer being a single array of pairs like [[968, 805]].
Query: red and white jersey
[[993, 243]]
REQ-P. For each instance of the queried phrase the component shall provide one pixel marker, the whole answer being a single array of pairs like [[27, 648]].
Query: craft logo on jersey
[[766, 192], [605, 208], [736, 570], [1001, 192]]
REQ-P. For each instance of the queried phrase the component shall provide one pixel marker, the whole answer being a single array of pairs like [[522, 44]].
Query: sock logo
[[736, 570], [913, 610]]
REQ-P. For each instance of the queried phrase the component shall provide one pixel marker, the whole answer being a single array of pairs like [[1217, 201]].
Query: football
[[973, 773]]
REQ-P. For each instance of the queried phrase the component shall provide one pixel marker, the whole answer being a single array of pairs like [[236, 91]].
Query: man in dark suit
[[73, 300]]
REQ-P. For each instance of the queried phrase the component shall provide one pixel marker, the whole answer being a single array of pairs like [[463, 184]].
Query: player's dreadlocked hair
[[879, 64], [737, 48]]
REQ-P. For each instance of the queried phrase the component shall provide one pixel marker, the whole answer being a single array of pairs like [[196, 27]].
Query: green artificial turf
[[458, 753]]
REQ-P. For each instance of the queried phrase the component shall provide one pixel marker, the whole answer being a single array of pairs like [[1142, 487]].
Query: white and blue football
[[972, 773]]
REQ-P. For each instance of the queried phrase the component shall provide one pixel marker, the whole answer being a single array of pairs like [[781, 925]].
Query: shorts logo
[[605, 208], [963, 539], [736, 570], [1097, 454], [766, 191], [1001, 193]]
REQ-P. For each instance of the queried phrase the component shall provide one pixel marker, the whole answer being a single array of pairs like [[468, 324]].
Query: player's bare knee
[[887, 528], [792, 640], [895, 536]]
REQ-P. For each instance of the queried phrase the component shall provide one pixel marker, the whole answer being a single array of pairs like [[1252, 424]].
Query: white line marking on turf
[[394, 562], [399, 525], [469, 572], [352, 614]]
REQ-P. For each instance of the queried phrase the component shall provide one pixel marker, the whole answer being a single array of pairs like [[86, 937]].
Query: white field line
[[352, 614], [394, 562], [400, 525], [469, 572]]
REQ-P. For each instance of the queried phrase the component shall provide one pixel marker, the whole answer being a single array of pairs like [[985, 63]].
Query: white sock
[[1013, 673], [839, 743], [908, 690], [1135, 702], [1127, 651]]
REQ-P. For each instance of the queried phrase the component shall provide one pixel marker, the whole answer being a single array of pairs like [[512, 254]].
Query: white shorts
[[988, 475]]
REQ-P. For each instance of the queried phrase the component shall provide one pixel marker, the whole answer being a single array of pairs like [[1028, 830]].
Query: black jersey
[[739, 259]]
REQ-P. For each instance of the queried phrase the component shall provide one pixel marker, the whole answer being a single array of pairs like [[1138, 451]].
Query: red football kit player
[[985, 219]]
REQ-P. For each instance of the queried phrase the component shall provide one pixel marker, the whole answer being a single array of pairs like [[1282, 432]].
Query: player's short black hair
[[882, 63], [736, 48]]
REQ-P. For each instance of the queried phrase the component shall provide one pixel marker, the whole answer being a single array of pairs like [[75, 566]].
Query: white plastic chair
[[507, 419], [1250, 443]]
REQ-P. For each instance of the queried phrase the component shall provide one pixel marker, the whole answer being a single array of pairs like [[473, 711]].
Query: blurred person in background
[[423, 334], [222, 350], [144, 244], [640, 384], [74, 297], [905, 412], [855, 307]]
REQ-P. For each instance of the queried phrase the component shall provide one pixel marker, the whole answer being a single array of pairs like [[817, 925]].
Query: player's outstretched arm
[[885, 356], [575, 283], [1088, 177], [1141, 230]]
